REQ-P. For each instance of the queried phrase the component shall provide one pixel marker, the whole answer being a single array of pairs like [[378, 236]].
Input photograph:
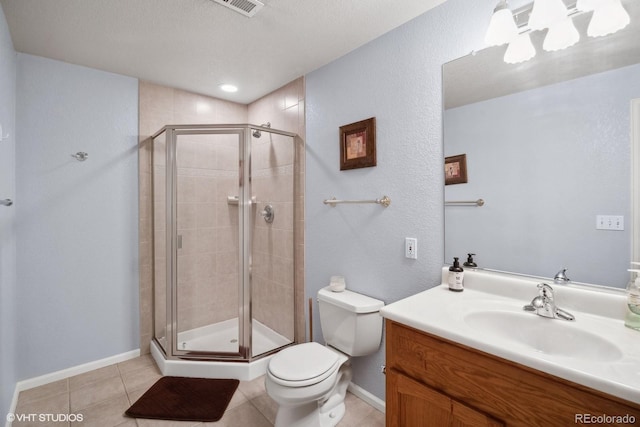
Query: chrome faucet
[[561, 277], [545, 306]]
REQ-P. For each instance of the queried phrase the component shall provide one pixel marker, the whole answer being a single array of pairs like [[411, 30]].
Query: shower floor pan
[[220, 337], [223, 336]]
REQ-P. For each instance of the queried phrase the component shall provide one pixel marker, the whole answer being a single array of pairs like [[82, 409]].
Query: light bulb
[[228, 88], [608, 17], [502, 28], [585, 5], [561, 35], [520, 49], [546, 12]]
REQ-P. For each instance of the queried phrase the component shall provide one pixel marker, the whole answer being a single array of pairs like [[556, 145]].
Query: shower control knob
[[268, 213]]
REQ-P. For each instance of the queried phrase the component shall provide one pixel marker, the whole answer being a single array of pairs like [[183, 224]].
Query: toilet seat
[[303, 365]]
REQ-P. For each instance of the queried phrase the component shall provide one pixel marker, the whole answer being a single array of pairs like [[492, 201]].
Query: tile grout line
[[68, 398], [258, 409], [126, 392], [68, 395]]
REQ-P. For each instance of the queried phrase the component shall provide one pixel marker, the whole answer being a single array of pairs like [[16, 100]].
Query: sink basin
[[595, 350], [548, 336]]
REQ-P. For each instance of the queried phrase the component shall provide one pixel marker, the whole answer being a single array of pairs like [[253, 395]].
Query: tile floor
[[102, 396]]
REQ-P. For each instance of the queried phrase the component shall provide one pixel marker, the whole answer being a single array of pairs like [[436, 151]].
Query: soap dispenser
[[632, 318], [470, 263], [456, 275]]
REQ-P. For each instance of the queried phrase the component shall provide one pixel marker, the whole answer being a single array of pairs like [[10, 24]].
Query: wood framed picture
[[455, 169], [358, 144]]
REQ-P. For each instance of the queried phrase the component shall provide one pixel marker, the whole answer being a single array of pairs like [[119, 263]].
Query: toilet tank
[[350, 321]]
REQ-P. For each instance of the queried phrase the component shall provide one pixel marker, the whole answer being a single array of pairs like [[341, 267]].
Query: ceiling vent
[[245, 7]]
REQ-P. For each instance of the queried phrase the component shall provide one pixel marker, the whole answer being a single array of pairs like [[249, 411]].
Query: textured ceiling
[[197, 44]]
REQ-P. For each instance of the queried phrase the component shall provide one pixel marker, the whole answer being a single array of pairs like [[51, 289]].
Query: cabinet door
[[464, 416], [412, 404]]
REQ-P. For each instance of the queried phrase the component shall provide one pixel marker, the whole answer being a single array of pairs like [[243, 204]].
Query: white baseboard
[[66, 373], [363, 394], [12, 407]]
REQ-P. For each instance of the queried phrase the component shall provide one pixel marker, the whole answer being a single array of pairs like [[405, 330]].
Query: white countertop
[[606, 358]]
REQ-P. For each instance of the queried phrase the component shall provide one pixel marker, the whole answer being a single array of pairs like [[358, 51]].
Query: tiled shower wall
[[208, 227], [200, 171], [278, 178]]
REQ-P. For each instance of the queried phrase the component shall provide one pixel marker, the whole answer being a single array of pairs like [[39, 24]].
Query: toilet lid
[[302, 362]]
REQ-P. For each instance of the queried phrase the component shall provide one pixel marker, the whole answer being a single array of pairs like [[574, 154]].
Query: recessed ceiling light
[[229, 88]]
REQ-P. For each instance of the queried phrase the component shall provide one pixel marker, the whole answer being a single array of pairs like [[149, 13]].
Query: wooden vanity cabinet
[[435, 382], [419, 405]]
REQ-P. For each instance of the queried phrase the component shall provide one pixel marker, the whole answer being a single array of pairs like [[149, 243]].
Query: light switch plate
[[610, 222]]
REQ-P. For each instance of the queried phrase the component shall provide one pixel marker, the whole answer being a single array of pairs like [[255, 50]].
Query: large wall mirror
[[548, 146]]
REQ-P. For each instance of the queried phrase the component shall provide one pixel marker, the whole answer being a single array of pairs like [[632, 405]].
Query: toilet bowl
[[305, 395], [309, 381]]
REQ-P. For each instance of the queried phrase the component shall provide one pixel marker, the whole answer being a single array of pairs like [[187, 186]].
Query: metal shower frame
[[245, 202]]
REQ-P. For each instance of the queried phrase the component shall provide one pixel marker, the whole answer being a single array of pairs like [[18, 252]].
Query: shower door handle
[[179, 241]]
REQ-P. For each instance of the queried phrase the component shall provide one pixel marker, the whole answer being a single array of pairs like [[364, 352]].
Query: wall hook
[[80, 156]]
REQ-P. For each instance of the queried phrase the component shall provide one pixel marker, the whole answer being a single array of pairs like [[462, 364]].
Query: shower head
[[257, 133]]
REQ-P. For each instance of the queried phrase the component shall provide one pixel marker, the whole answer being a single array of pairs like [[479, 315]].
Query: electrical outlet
[[411, 247]]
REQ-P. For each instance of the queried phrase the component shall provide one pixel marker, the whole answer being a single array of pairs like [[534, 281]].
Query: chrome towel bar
[[234, 200], [384, 201], [479, 202]]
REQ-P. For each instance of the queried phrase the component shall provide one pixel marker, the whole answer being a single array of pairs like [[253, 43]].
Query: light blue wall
[[565, 150], [7, 219], [76, 222], [397, 79]]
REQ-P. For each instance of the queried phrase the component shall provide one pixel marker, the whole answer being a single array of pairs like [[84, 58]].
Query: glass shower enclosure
[[223, 233]]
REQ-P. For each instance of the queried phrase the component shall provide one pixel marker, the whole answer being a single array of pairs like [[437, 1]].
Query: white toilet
[[309, 381]]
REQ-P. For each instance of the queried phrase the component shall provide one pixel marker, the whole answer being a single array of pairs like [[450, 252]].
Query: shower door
[[224, 220], [208, 265], [272, 246]]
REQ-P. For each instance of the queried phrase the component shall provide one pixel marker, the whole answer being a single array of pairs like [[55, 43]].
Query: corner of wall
[[284, 108], [8, 377]]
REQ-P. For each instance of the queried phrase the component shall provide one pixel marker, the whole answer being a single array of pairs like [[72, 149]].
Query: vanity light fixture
[[608, 17], [502, 27], [520, 49], [561, 35], [585, 5], [545, 13]]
